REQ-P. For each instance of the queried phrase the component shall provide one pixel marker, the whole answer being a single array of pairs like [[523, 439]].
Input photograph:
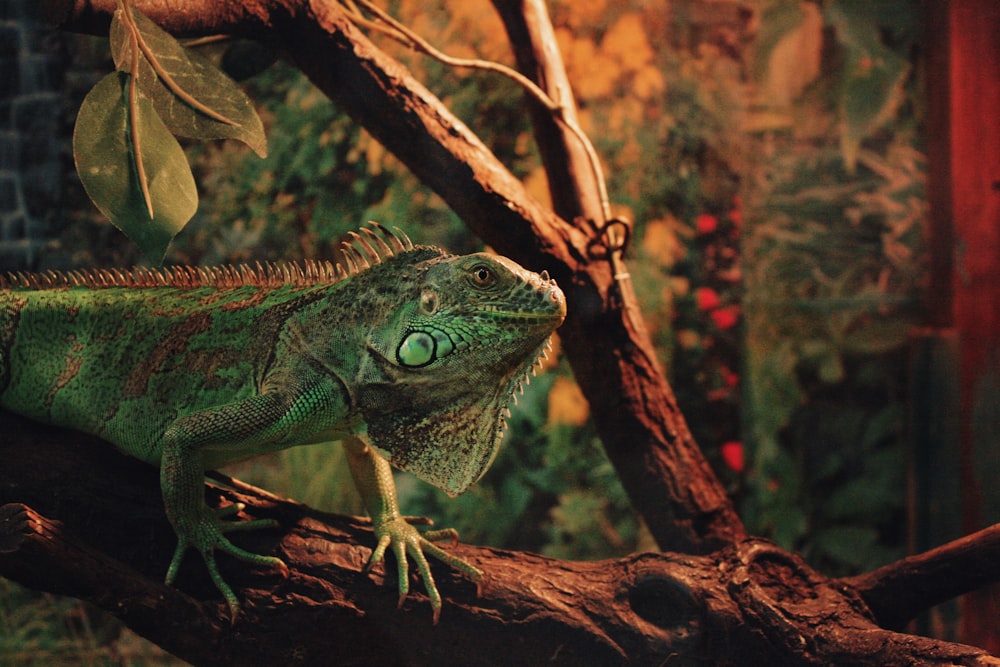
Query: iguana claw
[[399, 534], [206, 535]]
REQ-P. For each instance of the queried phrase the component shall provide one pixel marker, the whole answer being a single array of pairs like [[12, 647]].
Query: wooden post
[[963, 89]]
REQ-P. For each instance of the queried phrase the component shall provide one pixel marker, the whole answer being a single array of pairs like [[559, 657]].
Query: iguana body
[[411, 349]]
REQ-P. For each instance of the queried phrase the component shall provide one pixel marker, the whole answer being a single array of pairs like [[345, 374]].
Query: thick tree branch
[[643, 431], [78, 518], [83, 520]]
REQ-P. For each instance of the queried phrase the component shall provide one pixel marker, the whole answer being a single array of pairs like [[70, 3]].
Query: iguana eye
[[482, 276]]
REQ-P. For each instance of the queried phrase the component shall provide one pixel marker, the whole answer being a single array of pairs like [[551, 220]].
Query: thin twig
[[408, 38]]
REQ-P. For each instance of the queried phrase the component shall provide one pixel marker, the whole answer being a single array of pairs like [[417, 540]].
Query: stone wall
[[32, 136]]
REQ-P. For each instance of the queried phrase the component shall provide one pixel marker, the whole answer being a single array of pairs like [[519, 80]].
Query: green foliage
[[316, 475], [837, 470], [152, 207], [128, 160], [41, 629], [833, 255], [872, 38]]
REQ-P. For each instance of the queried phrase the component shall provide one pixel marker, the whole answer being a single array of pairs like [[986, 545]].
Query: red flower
[[706, 224], [729, 377], [706, 298], [732, 455], [726, 318], [736, 217]]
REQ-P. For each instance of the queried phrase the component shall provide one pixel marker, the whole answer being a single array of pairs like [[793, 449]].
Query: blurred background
[[814, 187]]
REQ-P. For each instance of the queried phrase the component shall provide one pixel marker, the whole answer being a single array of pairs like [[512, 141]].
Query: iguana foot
[[206, 534], [399, 534]]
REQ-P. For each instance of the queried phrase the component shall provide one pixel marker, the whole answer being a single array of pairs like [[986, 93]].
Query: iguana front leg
[[216, 436], [373, 478]]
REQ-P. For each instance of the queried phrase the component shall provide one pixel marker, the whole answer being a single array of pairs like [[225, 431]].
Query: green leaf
[[194, 98], [873, 89], [872, 85], [107, 161], [778, 18]]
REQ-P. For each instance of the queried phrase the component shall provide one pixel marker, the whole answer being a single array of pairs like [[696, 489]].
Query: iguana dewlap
[[409, 349]]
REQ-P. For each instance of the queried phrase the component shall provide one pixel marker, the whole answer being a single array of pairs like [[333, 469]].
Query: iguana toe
[[406, 542], [206, 536]]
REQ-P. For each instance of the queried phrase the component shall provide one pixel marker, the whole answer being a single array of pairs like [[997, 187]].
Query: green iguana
[[409, 349]]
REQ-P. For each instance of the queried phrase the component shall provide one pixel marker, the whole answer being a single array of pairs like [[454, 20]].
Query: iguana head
[[438, 375]]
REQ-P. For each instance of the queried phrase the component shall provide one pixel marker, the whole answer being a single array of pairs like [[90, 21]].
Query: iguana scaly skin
[[408, 350]]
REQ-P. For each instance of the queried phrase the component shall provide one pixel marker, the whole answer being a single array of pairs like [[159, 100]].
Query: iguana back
[[125, 360]]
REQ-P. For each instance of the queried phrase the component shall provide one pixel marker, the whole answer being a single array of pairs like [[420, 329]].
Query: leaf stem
[[165, 76], [133, 109]]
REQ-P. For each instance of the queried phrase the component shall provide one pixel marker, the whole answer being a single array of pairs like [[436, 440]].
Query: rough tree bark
[[747, 602]]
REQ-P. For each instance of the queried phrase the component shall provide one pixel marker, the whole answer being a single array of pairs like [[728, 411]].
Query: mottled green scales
[[408, 349]]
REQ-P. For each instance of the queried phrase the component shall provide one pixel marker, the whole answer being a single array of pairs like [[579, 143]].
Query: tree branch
[[898, 592], [78, 518], [643, 431], [81, 519]]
